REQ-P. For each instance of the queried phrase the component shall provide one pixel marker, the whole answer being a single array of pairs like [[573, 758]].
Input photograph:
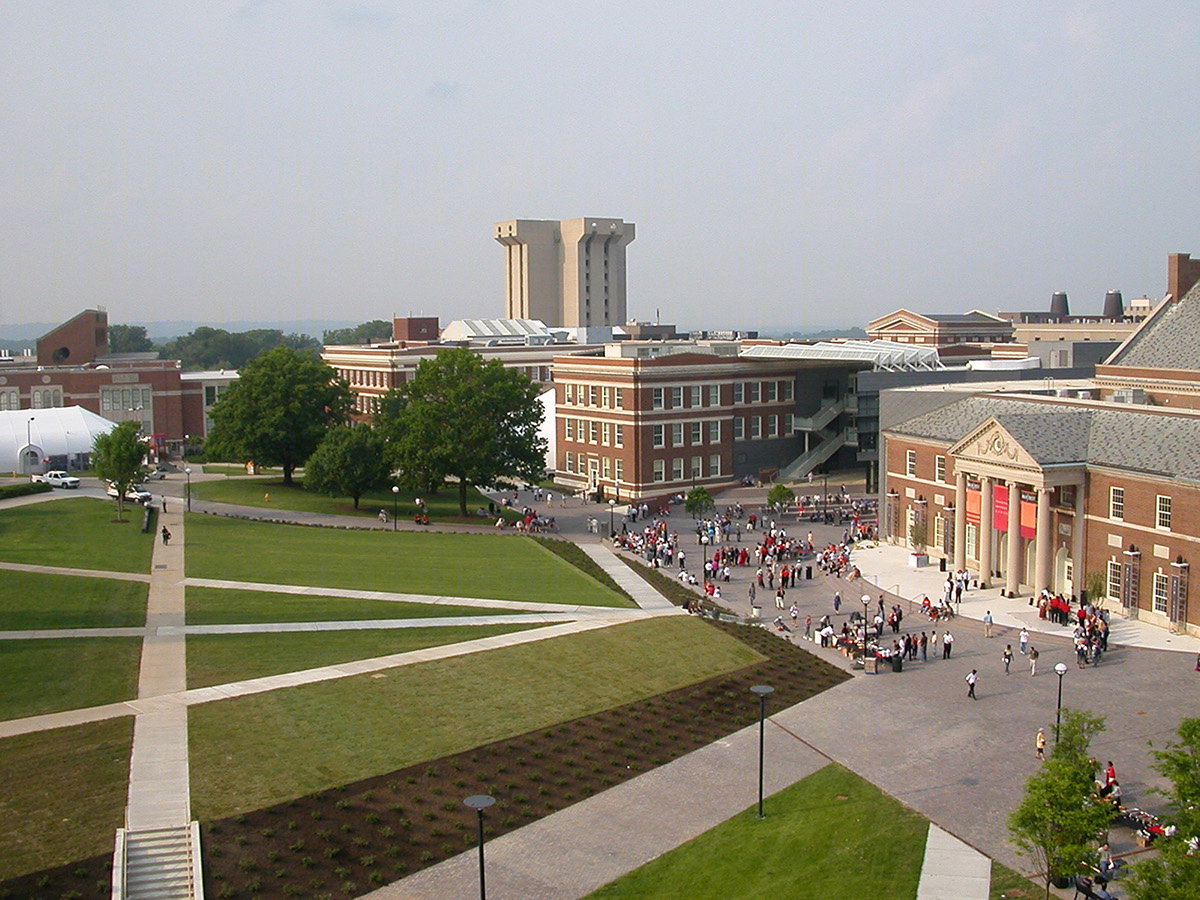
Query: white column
[[960, 521], [985, 532], [1045, 540], [1012, 581]]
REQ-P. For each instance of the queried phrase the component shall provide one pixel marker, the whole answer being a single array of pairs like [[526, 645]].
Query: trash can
[[871, 665], [756, 612], [808, 573], [942, 564], [897, 663]]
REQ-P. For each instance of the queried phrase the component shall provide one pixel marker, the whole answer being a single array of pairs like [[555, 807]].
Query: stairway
[[159, 863]]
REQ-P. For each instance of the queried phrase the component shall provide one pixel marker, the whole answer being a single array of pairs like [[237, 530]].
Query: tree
[[1059, 820], [278, 410], [349, 462], [780, 495], [463, 418], [1174, 874], [367, 333], [128, 339], [216, 348], [698, 502], [117, 457]]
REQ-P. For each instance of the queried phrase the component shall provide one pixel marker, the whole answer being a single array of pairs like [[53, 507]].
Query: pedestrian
[[795, 611], [164, 503], [933, 642], [837, 603], [808, 628], [972, 677], [752, 593], [924, 645], [1007, 656], [987, 624], [1040, 743], [166, 536], [1024, 639], [947, 644], [1033, 658]]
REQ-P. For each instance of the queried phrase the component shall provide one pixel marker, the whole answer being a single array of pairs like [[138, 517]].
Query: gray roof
[[976, 318], [1116, 436], [1168, 340]]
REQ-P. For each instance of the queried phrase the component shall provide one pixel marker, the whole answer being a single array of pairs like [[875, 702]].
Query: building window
[[606, 467], [714, 432], [676, 434], [751, 391], [569, 460], [593, 432], [714, 395], [1113, 582], [1162, 517], [1116, 503], [738, 393], [769, 391], [910, 462], [714, 464], [696, 394], [785, 390], [697, 432], [606, 433], [660, 470], [788, 426], [1162, 587], [755, 427], [592, 395], [619, 397], [620, 436], [656, 399], [772, 424], [677, 469], [939, 469], [619, 469], [606, 397], [939, 531], [659, 440], [569, 429], [697, 467], [676, 397], [972, 541], [739, 425]]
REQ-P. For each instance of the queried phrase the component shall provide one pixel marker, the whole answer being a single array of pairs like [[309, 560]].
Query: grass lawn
[[831, 834], [32, 600], [1008, 885], [253, 492], [64, 794], [78, 533], [221, 658], [457, 565], [218, 606], [54, 674], [253, 751]]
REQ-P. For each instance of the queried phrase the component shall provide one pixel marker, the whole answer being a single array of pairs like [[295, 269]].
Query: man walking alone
[[972, 677]]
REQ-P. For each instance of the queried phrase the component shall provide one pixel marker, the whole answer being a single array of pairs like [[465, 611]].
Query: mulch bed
[[344, 842]]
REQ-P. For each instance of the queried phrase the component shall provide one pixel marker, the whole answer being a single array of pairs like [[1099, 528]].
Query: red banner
[[973, 506], [1028, 514], [1000, 507]]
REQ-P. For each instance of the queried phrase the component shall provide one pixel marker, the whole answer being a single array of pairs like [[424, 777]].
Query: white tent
[[34, 440]]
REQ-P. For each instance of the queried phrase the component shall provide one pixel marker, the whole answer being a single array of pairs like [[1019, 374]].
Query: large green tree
[[367, 333], [128, 339], [278, 411], [216, 348], [462, 418], [1174, 873], [117, 457], [1059, 820], [698, 502], [348, 463]]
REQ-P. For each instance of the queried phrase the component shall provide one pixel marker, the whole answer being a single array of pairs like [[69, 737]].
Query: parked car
[[135, 493], [158, 473], [57, 478]]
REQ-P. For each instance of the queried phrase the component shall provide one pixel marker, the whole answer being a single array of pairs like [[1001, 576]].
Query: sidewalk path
[[953, 870], [629, 581]]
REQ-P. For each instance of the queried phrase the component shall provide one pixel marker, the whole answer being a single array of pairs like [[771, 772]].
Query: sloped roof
[[880, 354], [1168, 339], [54, 431]]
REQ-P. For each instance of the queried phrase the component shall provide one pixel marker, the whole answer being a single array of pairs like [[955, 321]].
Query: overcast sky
[[789, 166]]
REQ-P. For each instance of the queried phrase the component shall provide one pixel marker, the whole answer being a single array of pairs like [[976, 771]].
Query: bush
[[23, 490]]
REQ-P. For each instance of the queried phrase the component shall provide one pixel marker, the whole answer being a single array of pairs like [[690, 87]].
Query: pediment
[[900, 320], [991, 443]]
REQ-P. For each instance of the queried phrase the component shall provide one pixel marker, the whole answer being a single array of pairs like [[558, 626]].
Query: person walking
[[1007, 656], [987, 624], [933, 642], [1024, 639], [1039, 744], [972, 677], [1033, 658], [166, 536], [808, 628], [947, 644], [837, 600], [924, 646]]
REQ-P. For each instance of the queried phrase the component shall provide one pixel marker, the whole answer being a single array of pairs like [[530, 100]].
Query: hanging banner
[[1000, 507], [973, 503], [1029, 514]]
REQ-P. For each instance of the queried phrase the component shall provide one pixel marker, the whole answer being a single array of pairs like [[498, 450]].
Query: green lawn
[[256, 750], [254, 492], [221, 658], [457, 565], [54, 674], [829, 835], [76, 532], [64, 794], [31, 600], [218, 606]]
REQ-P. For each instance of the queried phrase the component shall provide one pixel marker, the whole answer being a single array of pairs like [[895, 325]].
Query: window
[[772, 426], [751, 391], [939, 531], [714, 395], [620, 436], [569, 429], [570, 461], [676, 397], [677, 469], [676, 434], [714, 432], [606, 467], [972, 541], [619, 469], [1162, 588], [1113, 582], [569, 393], [606, 397], [697, 432], [658, 436], [785, 390], [739, 425], [696, 394], [738, 392], [939, 469], [788, 426], [697, 467], [592, 393], [769, 391], [910, 462], [1162, 517], [606, 433], [1116, 503], [714, 464], [619, 397], [656, 399], [755, 426], [660, 470]]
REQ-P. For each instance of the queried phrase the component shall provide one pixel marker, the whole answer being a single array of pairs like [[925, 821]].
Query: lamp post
[[480, 802], [825, 500], [395, 501], [1060, 670], [762, 690], [187, 470], [612, 505], [866, 601]]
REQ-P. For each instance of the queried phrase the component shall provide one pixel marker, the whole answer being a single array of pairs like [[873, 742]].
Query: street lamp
[[395, 501], [480, 802], [187, 470], [762, 690], [1060, 670], [825, 500], [866, 601], [612, 505]]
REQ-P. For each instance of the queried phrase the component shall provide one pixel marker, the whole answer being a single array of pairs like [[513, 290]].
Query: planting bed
[[347, 841]]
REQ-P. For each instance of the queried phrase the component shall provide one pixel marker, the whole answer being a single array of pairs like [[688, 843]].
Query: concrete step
[[159, 864]]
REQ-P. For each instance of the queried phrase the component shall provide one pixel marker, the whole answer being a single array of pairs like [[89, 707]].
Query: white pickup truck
[[57, 478]]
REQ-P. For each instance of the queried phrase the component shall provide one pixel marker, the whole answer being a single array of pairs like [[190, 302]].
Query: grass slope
[[341, 731], [217, 606], [31, 600], [455, 565], [221, 658], [54, 674], [76, 532]]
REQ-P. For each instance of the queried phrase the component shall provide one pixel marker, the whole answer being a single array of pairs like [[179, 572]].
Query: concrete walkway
[[953, 870]]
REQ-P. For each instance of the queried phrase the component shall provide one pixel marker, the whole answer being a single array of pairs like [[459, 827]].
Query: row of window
[[754, 427], [1162, 508], [591, 432], [10, 399], [596, 467], [118, 399], [365, 377], [697, 468], [698, 395], [939, 466], [761, 392], [698, 433], [1159, 596], [602, 396]]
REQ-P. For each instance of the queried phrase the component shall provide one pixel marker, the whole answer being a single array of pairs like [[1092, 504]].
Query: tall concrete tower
[[569, 274]]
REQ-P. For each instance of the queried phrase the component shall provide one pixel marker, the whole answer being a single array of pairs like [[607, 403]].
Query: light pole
[[866, 601], [480, 802], [395, 502], [762, 690], [187, 470], [1060, 670], [825, 499], [612, 505]]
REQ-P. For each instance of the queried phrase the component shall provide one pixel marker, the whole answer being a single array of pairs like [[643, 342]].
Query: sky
[[790, 166]]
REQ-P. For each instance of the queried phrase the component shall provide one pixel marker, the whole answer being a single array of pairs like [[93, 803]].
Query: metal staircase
[[159, 863]]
